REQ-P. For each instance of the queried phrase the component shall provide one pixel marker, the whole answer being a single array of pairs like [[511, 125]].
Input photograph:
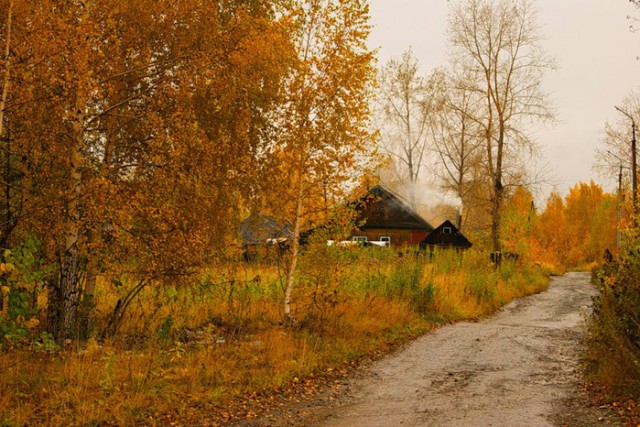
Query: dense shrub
[[613, 357]]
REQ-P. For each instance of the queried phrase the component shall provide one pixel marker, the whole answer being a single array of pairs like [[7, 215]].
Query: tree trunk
[[7, 67], [498, 192], [63, 321], [3, 102], [70, 293], [66, 293], [64, 297], [6, 81], [87, 305], [496, 215], [92, 266], [295, 246], [8, 225]]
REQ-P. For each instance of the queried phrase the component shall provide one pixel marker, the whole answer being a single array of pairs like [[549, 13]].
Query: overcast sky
[[596, 55]]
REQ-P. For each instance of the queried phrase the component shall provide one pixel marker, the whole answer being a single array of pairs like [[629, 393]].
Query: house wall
[[398, 237]]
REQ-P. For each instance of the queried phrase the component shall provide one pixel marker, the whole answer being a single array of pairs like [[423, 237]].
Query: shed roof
[[382, 208], [447, 235], [259, 228]]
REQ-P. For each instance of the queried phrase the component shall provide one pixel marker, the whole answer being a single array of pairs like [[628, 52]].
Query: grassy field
[[215, 349]]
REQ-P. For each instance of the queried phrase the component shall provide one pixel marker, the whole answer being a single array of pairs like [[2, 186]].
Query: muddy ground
[[517, 368]]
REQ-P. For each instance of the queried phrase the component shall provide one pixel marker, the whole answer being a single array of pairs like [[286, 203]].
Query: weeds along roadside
[[193, 350], [612, 358]]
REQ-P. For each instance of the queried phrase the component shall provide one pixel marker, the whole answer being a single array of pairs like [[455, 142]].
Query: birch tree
[[498, 43], [10, 177], [408, 102], [458, 145], [324, 125], [140, 123], [6, 63]]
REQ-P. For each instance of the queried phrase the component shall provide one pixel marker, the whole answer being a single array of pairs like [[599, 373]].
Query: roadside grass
[[201, 351], [612, 359]]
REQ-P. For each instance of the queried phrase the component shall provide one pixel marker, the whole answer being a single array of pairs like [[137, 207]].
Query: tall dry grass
[[194, 352]]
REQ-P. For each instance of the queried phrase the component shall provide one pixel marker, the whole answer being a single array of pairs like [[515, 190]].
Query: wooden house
[[383, 216], [446, 235]]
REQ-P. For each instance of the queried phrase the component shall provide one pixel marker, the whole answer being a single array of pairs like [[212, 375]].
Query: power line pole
[[634, 173], [620, 200], [619, 231]]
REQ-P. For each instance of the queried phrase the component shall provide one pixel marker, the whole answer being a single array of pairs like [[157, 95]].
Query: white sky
[[597, 66]]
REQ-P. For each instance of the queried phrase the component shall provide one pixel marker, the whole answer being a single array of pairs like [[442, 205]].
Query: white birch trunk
[[295, 247]]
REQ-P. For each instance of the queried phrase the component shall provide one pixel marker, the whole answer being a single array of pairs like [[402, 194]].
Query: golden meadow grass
[[191, 352]]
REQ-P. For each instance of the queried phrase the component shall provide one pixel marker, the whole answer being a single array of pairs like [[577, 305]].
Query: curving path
[[517, 368]]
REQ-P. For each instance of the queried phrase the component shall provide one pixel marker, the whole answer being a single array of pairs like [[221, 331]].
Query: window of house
[[360, 238], [386, 239], [447, 230]]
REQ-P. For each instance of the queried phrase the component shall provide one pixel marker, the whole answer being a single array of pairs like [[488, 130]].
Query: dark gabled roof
[[438, 237], [381, 208], [259, 228]]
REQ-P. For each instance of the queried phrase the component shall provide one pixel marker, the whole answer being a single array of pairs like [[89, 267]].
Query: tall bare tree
[[615, 151], [407, 103], [498, 44], [458, 143]]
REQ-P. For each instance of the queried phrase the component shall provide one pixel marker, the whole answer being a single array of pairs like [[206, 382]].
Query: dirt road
[[517, 368]]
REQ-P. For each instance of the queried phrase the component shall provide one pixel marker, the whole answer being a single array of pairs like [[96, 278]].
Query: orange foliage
[[138, 131], [577, 230], [551, 240], [518, 218]]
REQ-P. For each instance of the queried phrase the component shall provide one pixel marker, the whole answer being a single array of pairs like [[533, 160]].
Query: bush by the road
[[613, 356]]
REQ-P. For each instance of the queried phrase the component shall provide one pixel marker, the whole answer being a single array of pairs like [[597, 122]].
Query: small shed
[[446, 235], [261, 231]]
